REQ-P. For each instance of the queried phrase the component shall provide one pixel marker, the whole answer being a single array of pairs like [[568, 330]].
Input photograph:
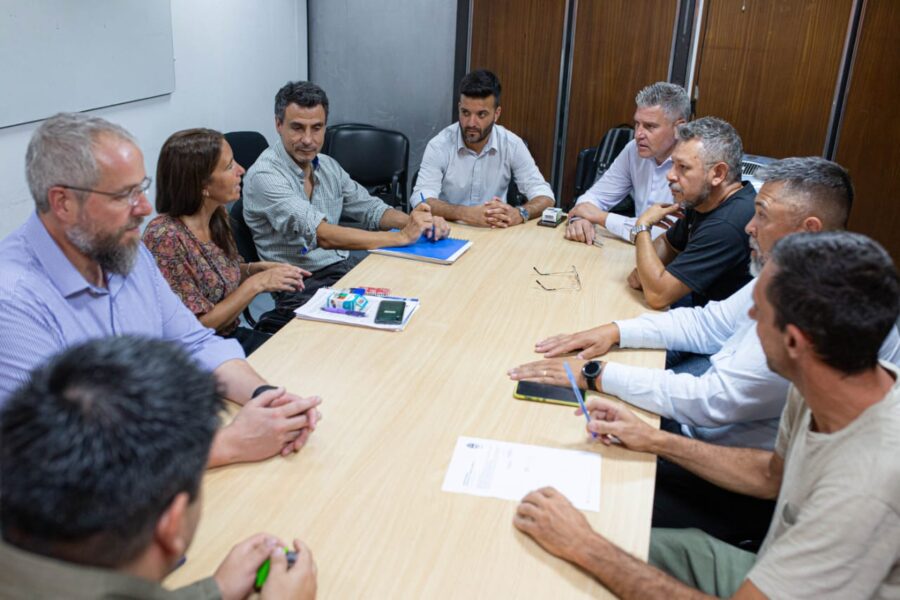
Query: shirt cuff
[[615, 381], [639, 333], [620, 226], [218, 350], [415, 198]]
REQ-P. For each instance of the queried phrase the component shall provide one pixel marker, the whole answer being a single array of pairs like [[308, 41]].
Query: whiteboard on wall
[[76, 55]]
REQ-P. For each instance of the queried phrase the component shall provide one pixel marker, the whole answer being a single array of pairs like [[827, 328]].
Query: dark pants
[[287, 302], [685, 500], [249, 339]]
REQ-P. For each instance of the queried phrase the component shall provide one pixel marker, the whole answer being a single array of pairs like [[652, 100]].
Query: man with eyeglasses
[[76, 270]]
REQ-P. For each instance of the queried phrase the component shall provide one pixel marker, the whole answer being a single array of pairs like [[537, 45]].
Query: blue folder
[[444, 251]]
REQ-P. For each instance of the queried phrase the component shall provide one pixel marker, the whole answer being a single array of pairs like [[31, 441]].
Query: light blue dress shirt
[[46, 306], [738, 401], [455, 174], [630, 174]]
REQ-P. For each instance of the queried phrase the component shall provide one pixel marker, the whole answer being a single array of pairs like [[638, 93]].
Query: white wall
[[231, 56]]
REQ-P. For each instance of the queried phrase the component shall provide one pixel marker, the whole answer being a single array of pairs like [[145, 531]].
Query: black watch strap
[[261, 389]]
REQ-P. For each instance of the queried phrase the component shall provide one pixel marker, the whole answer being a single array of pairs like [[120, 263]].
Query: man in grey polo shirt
[[294, 198], [467, 167]]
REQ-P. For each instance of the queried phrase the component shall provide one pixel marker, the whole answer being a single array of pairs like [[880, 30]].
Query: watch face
[[591, 369]]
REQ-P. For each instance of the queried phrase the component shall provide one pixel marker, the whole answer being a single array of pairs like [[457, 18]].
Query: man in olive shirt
[[823, 305], [100, 466]]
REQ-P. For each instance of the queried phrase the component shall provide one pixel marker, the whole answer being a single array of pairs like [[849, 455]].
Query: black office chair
[[329, 134], [377, 159], [243, 239], [247, 146]]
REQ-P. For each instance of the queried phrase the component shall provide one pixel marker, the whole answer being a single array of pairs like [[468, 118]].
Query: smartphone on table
[[544, 392]]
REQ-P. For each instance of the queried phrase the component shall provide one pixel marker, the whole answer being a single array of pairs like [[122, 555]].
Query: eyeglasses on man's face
[[130, 196]]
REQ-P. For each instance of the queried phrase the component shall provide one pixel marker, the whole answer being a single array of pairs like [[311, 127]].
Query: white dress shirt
[[738, 401], [630, 174], [455, 174]]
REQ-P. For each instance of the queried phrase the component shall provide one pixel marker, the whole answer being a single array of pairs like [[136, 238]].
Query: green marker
[[263, 572]]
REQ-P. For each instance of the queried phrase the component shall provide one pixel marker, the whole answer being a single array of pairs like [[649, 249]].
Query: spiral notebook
[[445, 251]]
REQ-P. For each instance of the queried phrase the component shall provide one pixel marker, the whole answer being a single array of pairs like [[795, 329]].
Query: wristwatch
[[638, 229], [591, 371], [524, 212]]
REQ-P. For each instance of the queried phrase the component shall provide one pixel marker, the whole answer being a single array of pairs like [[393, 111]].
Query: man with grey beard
[[738, 400], [76, 270]]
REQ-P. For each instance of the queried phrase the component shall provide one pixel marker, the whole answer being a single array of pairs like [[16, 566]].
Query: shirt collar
[[60, 270], [289, 160]]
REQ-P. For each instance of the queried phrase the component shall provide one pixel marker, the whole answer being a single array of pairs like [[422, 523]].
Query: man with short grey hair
[[705, 253], [737, 400], [76, 270], [639, 170]]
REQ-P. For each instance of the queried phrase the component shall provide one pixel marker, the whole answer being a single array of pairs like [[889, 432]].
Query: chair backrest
[[331, 129], [377, 159], [594, 162], [243, 237], [247, 146]]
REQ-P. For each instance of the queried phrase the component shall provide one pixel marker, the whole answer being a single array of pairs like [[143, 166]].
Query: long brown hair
[[186, 162]]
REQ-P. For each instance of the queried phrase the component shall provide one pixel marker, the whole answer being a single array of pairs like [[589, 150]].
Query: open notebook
[[444, 251]]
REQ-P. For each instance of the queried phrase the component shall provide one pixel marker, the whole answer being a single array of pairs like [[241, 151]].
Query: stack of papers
[[312, 311], [510, 471]]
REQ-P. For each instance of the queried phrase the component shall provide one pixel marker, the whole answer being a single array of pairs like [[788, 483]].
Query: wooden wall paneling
[[868, 140], [770, 68], [521, 41], [620, 46]]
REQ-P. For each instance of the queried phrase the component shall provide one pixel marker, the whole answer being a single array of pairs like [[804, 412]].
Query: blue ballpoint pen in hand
[[577, 393], [422, 196]]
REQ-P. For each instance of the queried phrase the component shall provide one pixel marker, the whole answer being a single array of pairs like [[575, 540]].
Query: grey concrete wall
[[386, 63]]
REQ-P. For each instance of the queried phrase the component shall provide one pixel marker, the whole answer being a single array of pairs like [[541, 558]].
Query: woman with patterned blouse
[[196, 176]]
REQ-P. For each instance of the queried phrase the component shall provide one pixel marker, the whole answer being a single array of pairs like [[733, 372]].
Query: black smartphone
[[544, 392], [390, 312]]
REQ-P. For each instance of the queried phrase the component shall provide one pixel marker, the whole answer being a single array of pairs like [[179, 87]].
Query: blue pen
[[577, 392], [422, 196]]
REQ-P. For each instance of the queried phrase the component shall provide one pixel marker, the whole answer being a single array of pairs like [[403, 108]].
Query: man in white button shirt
[[639, 170], [738, 400], [467, 167]]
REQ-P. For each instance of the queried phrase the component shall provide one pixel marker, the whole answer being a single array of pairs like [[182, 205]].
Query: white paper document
[[312, 311], [506, 470]]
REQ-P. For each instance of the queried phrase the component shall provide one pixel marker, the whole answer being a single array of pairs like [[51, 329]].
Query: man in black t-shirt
[[706, 252]]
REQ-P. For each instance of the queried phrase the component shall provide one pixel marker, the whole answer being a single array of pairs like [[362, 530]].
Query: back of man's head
[[670, 97], [841, 290], [719, 141], [97, 445], [61, 152], [480, 84], [813, 186], [304, 94]]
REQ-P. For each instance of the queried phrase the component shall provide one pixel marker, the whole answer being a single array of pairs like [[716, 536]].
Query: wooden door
[[522, 42], [770, 67], [869, 139], [620, 46]]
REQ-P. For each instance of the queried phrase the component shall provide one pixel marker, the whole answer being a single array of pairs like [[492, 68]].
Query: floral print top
[[200, 273]]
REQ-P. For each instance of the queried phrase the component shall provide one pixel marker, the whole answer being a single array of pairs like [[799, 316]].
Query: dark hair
[[839, 288], [823, 186], [480, 84], [96, 445], [302, 93], [186, 162]]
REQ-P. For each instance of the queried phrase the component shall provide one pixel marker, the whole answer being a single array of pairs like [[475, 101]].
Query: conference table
[[365, 492]]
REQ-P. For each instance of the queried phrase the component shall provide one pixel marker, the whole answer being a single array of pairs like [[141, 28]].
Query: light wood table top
[[365, 493]]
